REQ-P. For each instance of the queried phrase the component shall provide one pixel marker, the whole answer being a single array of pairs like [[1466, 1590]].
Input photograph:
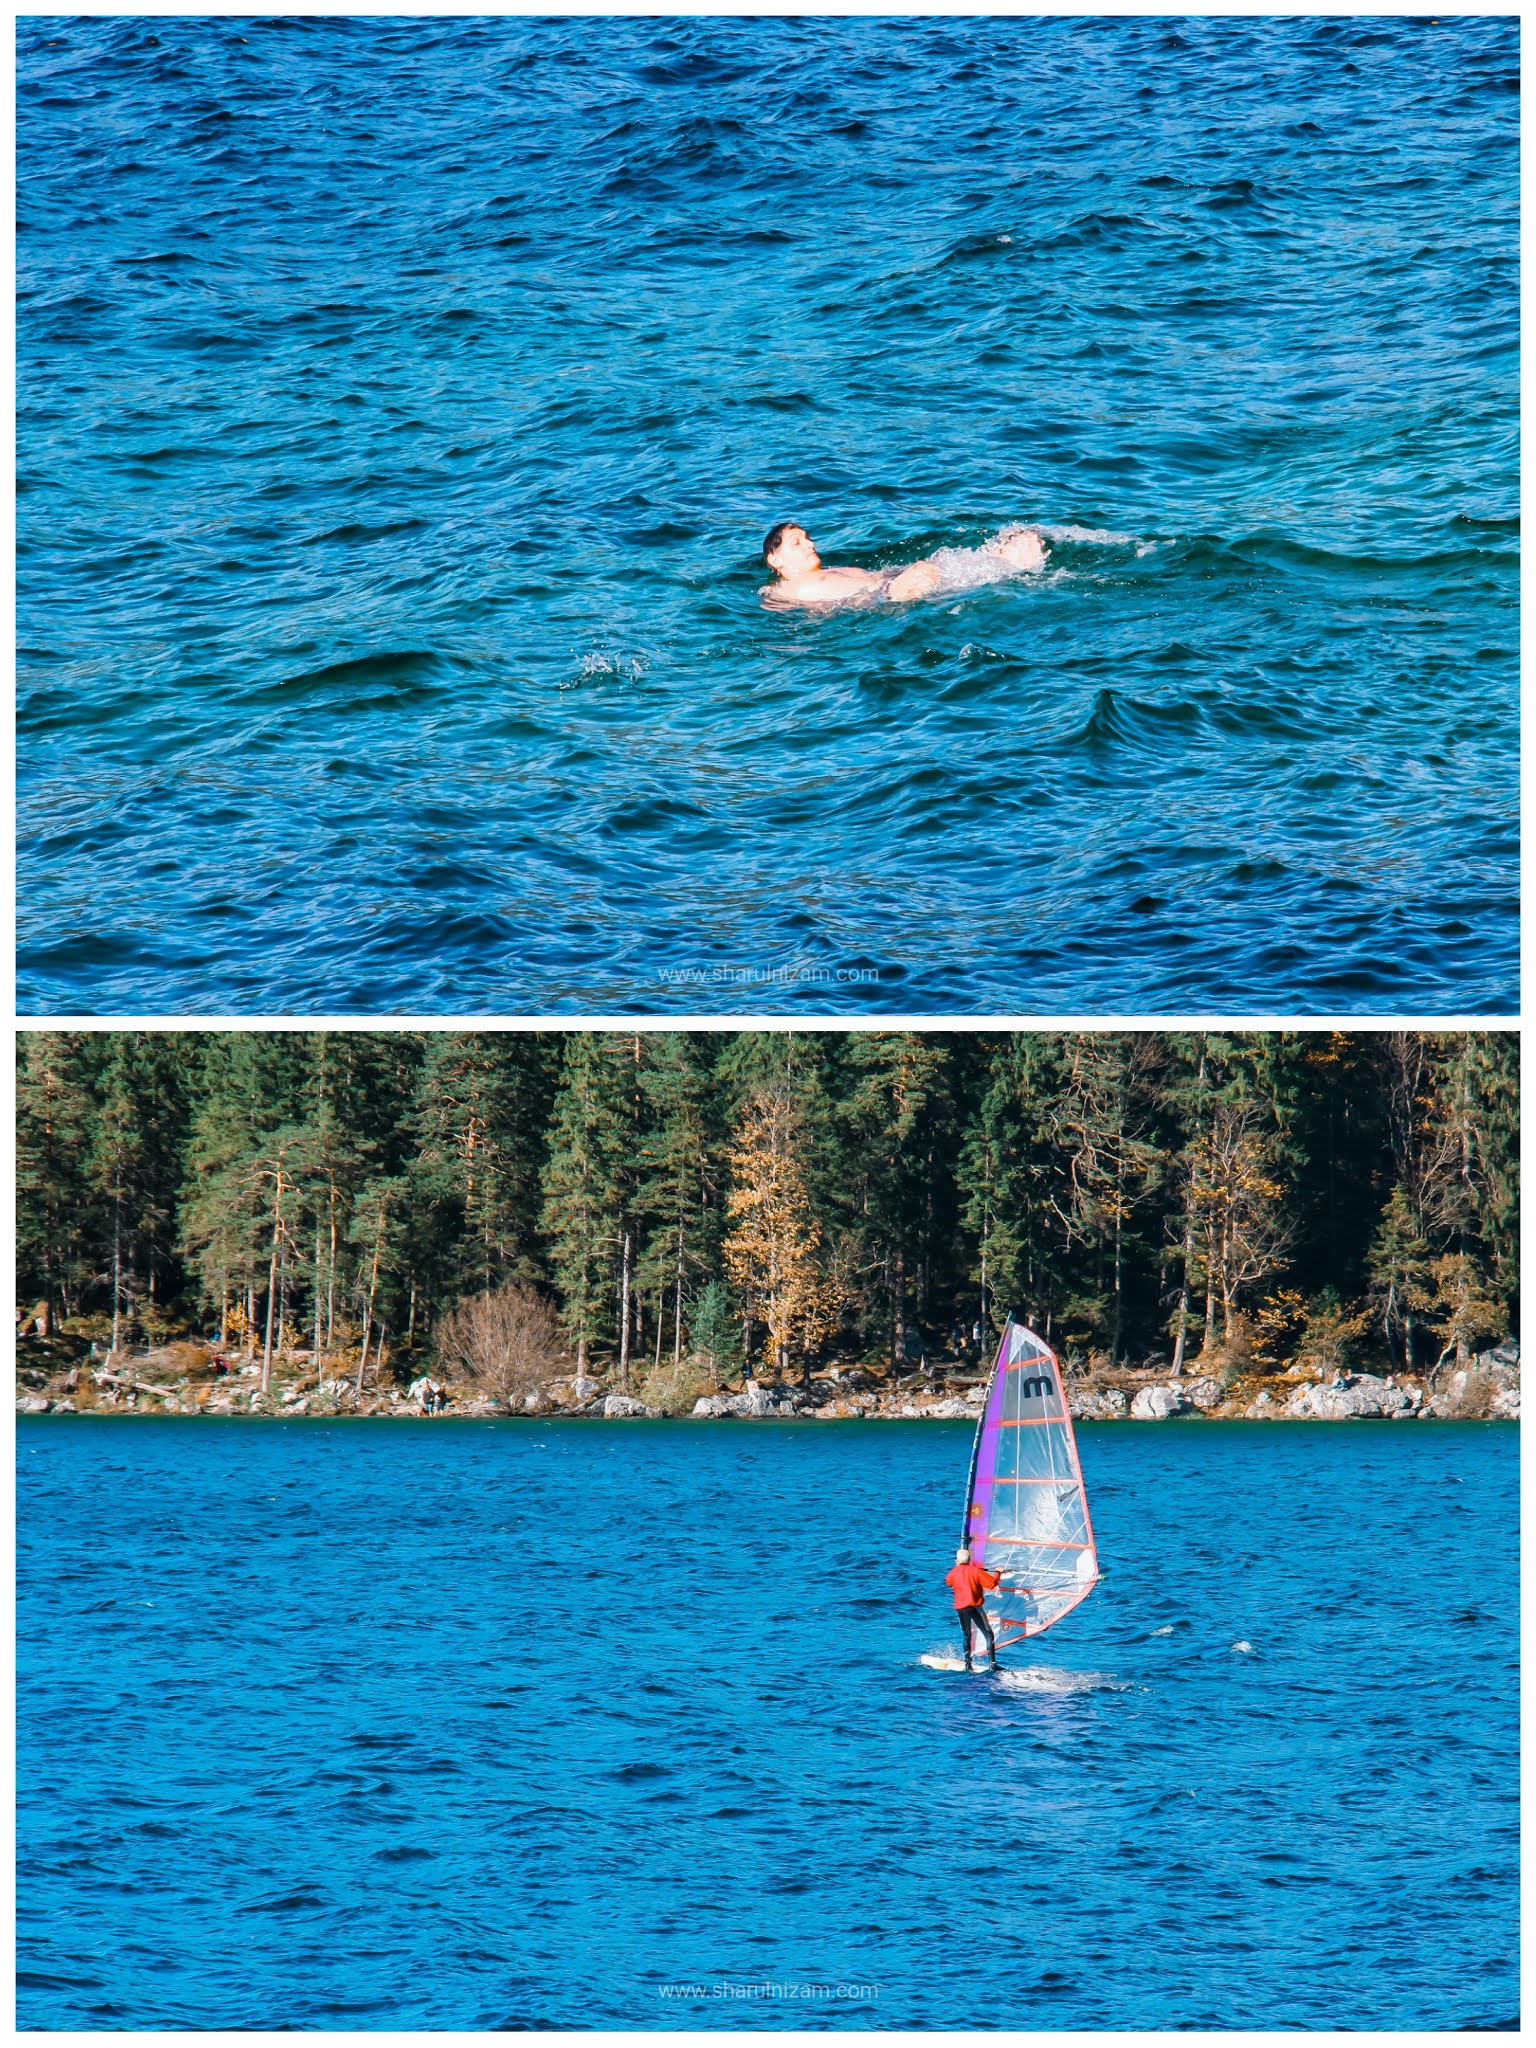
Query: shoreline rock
[[1487, 1388]]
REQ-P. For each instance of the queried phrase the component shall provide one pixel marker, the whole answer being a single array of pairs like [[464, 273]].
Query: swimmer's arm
[[918, 580]]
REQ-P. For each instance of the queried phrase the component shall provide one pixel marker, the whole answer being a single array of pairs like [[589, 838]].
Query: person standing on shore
[[969, 1582]]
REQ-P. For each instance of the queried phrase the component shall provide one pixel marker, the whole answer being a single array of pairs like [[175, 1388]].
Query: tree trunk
[[319, 1298], [1189, 1226], [624, 1319], [1119, 1231], [117, 1268], [986, 1244], [330, 1283], [266, 1356], [373, 1290], [1183, 1328], [899, 1327], [677, 1303]]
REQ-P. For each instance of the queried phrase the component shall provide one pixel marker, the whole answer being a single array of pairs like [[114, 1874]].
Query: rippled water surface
[[403, 404], [459, 1726]]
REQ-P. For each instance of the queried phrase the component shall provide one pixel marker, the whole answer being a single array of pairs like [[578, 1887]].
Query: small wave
[[1091, 536], [1047, 1678], [1117, 720], [396, 676]]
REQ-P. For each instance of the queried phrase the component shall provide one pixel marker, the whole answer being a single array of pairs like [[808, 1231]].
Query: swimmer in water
[[791, 554]]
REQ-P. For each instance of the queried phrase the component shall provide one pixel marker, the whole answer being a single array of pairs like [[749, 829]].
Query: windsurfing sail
[[1026, 1513]]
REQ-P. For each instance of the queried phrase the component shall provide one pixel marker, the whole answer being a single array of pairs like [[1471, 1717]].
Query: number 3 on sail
[[1026, 1511]]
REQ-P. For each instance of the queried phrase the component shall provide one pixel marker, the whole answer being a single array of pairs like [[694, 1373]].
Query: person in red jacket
[[969, 1582]]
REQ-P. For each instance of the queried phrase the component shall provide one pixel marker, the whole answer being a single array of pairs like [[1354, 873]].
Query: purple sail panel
[[984, 1460]]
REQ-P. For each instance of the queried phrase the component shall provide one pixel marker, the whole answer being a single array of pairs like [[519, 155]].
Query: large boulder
[[754, 1399], [618, 1405], [1090, 1404], [1483, 1388], [1352, 1396], [33, 1404], [712, 1404], [1262, 1408], [1157, 1403], [1204, 1393]]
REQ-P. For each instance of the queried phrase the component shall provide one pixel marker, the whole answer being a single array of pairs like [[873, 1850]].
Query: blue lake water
[[403, 405], [475, 1726]]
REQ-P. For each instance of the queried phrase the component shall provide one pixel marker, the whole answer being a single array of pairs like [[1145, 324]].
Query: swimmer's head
[[788, 550]]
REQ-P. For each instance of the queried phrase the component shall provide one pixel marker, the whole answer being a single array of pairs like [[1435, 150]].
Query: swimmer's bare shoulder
[[826, 586]]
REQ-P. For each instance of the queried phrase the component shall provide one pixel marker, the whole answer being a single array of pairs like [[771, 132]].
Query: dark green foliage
[[320, 1189]]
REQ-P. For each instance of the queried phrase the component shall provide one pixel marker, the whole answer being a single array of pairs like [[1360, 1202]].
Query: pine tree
[[897, 1097], [480, 1115], [250, 1086], [681, 1190], [53, 1119], [583, 1183], [138, 1131]]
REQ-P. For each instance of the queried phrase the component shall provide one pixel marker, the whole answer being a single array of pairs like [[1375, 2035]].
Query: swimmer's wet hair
[[770, 545]]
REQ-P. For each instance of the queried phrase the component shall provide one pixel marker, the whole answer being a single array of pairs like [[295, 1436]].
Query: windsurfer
[[803, 579], [969, 1582]]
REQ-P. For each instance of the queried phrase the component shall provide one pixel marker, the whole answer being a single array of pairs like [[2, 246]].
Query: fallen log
[[115, 1379]]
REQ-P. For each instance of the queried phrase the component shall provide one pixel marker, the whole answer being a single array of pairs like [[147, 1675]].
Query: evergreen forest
[[774, 1199]]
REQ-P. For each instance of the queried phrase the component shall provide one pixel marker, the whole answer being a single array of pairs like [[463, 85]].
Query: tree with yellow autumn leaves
[[773, 1250]]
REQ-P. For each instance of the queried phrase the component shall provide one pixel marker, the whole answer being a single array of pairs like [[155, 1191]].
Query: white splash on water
[[1245, 1649], [1165, 1631], [626, 668], [1048, 1678], [970, 568]]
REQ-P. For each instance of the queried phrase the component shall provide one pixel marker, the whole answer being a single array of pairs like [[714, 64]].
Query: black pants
[[976, 1617]]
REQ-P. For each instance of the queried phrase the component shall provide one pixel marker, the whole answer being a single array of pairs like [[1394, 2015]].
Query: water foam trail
[[971, 568], [1046, 1678], [1089, 536]]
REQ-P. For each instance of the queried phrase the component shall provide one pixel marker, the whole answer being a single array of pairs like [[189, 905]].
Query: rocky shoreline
[[1487, 1388]]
